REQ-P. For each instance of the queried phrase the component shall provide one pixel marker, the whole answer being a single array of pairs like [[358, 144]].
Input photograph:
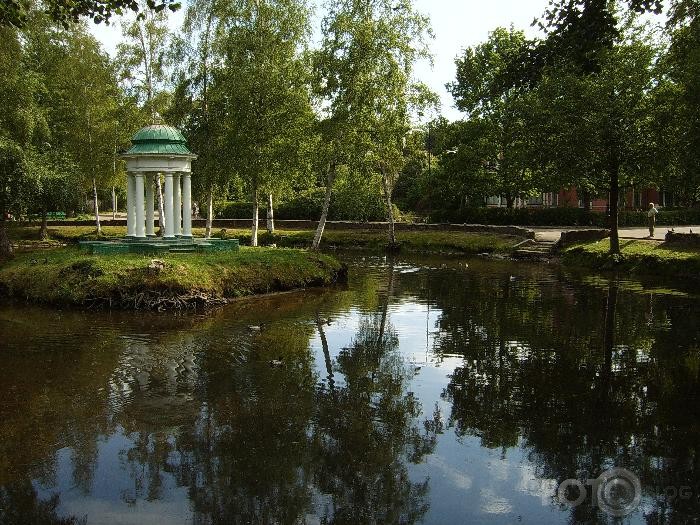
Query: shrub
[[238, 210], [348, 203], [305, 205]]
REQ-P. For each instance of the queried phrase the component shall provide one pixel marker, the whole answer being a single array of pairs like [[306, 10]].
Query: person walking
[[651, 218]]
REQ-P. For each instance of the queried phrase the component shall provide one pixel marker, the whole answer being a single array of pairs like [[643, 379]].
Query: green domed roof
[[158, 139]]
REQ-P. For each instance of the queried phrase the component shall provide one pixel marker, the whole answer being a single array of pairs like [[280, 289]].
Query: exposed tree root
[[155, 300]]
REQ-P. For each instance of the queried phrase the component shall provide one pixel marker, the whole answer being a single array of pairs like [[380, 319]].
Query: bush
[[305, 205], [562, 217], [238, 210], [348, 203]]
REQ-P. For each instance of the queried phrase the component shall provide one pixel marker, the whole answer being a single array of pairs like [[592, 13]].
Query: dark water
[[429, 391]]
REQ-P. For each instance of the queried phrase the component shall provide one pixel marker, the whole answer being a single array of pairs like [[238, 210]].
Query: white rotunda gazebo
[[159, 149]]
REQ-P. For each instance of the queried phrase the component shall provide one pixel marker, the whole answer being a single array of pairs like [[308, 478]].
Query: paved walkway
[[553, 234]]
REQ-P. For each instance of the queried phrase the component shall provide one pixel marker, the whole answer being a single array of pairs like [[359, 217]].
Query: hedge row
[[562, 217], [368, 205], [346, 205]]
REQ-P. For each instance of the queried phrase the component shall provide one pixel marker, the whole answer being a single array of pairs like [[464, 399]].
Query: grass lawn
[[411, 241], [69, 276], [638, 256]]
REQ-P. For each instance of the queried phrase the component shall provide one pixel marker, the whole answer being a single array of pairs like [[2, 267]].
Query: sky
[[457, 24]]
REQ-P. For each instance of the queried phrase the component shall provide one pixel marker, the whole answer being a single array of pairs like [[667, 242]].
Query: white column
[[186, 205], [130, 206], [149, 206], [177, 204], [168, 207], [140, 230]]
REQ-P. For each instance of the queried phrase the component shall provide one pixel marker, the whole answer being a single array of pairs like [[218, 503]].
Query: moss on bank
[[637, 257], [411, 241], [70, 277]]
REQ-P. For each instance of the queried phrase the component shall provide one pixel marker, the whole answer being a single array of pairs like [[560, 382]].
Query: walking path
[[553, 234]]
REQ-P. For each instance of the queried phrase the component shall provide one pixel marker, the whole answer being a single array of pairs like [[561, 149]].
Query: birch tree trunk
[[256, 208], [387, 195], [44, 230], [98, 228], [210, 213], [161, 208], [330, 177], [114, 204], [97, 209], [270, 215]]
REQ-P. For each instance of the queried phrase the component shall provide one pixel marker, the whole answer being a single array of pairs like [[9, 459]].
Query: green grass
[[69, 276], [637, 257], [411, 241]]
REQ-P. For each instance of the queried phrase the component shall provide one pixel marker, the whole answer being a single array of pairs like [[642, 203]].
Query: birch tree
[[16, 130], [364, 82], [261, 90], [198, 52], [142, 54], [85, 87]]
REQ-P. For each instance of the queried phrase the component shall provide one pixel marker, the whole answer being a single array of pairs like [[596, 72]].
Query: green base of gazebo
[[157, 245]]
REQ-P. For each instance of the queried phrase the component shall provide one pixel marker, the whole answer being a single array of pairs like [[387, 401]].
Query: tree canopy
[[66, 12]]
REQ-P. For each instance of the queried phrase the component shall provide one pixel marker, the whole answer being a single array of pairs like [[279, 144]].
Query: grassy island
[[637, 256], [67, 276]]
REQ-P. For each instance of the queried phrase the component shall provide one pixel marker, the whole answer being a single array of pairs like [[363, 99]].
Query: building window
[[493, 201], [637, 199], [535, 201], [668, 199]]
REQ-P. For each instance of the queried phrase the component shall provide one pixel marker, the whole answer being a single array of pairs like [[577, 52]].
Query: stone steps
[[535, 250]]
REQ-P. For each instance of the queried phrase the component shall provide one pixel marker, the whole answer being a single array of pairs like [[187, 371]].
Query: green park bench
[[56, 216]]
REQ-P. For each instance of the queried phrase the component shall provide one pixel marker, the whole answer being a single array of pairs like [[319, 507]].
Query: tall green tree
[[19, 122], [80, 101], [593, 127], [261, 90], [675, 120], [462, 179], [583, 34], [492, 94], [198, 50], [142, 54], [364, 83]]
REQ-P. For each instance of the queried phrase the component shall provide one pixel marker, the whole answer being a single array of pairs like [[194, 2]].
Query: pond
[[426, 391]]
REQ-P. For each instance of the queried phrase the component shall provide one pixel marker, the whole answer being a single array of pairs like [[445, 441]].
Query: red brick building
[[631, 199]]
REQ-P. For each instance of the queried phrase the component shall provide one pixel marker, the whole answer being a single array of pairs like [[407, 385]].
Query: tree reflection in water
[[581, 378], [252, 442], [366, 431]]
